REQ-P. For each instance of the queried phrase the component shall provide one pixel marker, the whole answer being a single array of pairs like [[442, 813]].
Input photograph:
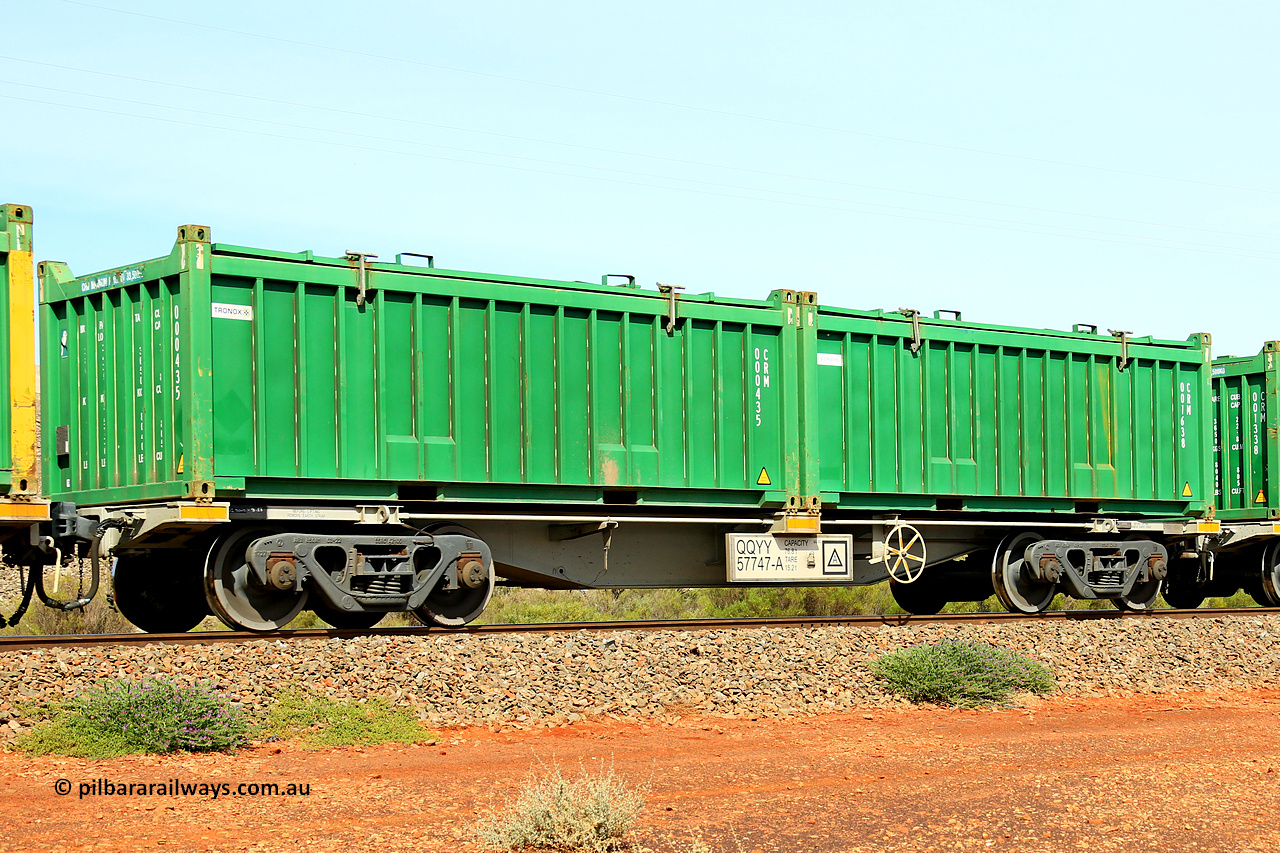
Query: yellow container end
[[203, 513], [24, 511], [802, 523]]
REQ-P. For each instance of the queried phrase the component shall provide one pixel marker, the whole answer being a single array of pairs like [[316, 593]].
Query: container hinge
[[1123, 336], [914, 316], [360, 258], [669, 290]]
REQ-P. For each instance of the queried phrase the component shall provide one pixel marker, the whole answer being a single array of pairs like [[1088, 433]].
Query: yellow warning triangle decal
[[1261, 498], [763, 479], [1186, 490]]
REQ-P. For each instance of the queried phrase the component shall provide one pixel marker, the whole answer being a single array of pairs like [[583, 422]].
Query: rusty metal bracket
[[1123, 336], [377, 514], [669, 291], [562, 532], [363, 281], [914, 316]]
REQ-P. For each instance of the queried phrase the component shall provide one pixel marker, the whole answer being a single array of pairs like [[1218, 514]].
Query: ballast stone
[[526, 680]]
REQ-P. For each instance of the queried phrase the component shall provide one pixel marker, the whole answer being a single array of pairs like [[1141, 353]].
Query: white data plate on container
[[766, 558]]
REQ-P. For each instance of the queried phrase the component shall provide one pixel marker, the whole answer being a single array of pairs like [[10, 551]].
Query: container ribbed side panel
[[1245, 441], [1007, 415]]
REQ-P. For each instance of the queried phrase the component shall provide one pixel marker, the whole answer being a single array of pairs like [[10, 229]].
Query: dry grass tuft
[[589, 813]]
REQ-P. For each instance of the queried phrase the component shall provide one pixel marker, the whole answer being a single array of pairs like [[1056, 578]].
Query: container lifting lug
[[360, 258], [669, 290], [430, 259], [1123, 336], [914, 316]]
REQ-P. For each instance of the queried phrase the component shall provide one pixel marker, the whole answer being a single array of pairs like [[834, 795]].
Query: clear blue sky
[[1028, 163]]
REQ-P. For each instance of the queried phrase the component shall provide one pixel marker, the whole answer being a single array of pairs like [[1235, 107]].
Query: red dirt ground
[[1193, 772]]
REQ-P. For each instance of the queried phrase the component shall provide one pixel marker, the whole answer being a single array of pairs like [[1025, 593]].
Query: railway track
[[22, 642]]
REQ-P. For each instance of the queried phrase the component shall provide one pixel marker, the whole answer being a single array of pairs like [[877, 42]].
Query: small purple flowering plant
[[123, 717]]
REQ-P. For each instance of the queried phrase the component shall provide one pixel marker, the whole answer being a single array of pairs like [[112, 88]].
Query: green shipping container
[[232, 372], [235, 372], [917, 413], [1245, 435]]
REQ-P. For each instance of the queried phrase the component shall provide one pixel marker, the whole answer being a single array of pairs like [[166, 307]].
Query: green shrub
[[322, 722], [127, 718], [962, 673], [511, 606], [590, 812]]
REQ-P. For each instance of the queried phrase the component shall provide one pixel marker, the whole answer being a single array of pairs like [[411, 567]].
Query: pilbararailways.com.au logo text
[[178, 788]]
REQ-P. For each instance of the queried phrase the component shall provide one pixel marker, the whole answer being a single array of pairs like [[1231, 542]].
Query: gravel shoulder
[[776, 739], [533, 680]]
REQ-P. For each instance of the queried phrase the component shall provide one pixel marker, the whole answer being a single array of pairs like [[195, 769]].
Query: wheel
[[1181, 590], [1016, 589], [456, 607], [343, 618], [235, 597], [917, 598], [905, 553], [160, 593], [1269, 569], [1182, 596], [453, 608], [1143, 595]]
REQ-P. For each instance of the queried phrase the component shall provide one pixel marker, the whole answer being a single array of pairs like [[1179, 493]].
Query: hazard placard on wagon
[[768, 558]]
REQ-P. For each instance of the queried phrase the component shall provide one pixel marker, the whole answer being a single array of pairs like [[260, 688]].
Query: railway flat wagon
[[1028, 427], [253, 433]]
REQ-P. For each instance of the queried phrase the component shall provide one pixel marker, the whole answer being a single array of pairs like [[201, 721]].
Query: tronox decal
[[228, 311]]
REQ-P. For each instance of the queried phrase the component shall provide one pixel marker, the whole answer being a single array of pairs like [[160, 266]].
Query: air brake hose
[[28, 588], [95, 574]]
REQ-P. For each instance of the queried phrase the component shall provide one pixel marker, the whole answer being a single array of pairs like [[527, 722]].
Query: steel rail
[[587, 519], [680, 519], [27, 642]]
